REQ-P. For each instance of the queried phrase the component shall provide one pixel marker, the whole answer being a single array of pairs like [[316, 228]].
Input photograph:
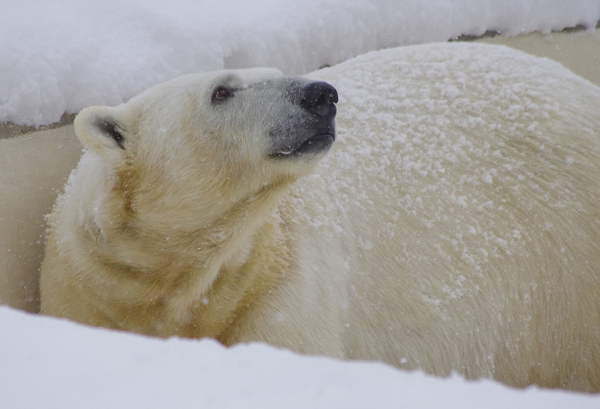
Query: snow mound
[[51, 363], [63, 55]]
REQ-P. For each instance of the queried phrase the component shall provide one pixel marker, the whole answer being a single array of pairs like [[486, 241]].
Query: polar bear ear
[[102, 130]]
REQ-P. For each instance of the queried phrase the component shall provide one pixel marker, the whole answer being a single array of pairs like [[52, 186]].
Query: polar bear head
[[203, 143]]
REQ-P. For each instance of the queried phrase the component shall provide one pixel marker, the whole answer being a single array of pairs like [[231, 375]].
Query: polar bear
[[449, 224]]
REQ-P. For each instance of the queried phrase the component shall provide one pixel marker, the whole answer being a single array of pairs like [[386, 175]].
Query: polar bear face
[[210, 140], [247, 114]]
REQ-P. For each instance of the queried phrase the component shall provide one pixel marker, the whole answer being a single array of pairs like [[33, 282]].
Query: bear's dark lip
[[317, 143]]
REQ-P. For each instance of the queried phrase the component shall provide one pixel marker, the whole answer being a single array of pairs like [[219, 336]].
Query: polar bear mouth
[[315, 144]]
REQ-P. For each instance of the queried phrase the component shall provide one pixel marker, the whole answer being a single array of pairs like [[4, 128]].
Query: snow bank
[[51, 363], [59, 56]]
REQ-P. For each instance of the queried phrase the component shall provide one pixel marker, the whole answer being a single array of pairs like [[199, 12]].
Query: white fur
[[453, 226]]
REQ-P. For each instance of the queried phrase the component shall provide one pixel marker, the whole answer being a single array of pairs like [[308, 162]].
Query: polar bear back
[[476, 169]]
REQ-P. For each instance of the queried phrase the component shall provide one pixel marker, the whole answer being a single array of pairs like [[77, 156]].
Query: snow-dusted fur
[[453, 226]]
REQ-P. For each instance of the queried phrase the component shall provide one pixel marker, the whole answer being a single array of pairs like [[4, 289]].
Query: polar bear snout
[[310, 125], [319, 98]]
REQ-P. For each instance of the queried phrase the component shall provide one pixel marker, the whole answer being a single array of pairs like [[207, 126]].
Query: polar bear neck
[[189, 282]]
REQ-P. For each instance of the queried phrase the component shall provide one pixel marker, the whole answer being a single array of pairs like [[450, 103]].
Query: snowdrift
[[51, 363], [63, 55]]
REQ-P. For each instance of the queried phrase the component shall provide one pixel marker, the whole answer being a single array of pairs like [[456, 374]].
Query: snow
[[50, 363], [63, 55]]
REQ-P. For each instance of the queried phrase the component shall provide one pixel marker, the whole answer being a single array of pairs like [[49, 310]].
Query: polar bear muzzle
[[312, 130]]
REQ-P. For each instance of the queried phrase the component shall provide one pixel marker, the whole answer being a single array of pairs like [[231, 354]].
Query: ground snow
[[63, 55], [50, 363]]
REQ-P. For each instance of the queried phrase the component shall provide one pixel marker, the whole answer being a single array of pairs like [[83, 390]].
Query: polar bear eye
[[221, 94]]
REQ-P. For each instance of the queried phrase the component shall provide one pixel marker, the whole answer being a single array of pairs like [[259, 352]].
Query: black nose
[[319, 98]]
